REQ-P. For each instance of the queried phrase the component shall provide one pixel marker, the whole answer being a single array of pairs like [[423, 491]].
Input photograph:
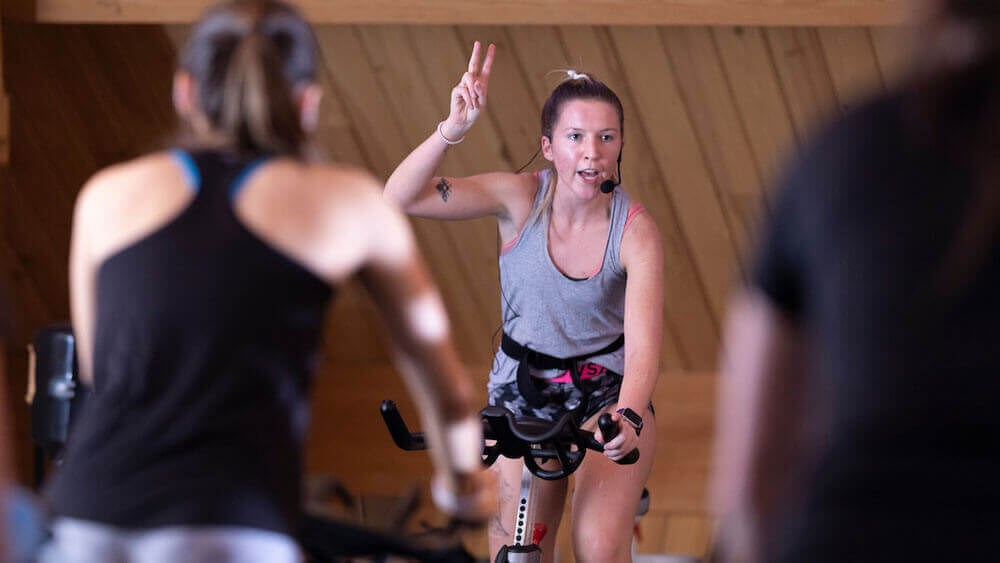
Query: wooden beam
[[4, 109], [4, 127], [495, 12]]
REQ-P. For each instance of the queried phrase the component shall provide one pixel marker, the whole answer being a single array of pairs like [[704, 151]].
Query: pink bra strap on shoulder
[[634, 211], [509, 245]]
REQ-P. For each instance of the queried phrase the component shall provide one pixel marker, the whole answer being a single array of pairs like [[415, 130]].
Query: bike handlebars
[[609, 430], [534, 439]]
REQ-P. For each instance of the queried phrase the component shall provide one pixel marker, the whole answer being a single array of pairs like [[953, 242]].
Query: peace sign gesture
[[468, 97]]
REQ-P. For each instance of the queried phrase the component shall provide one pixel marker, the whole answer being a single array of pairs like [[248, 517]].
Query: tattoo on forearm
[[444, 188]]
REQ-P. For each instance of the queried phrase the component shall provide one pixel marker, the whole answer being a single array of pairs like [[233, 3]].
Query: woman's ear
[[547, 148], [183, 94], [309, 102]]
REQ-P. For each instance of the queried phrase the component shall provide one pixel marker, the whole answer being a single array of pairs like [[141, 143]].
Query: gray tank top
[[552, 313]]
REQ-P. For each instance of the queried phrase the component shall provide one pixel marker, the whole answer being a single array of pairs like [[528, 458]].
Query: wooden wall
[[711, 115]]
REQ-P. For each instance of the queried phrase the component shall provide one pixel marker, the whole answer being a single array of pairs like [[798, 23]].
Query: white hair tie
[[573, 75]]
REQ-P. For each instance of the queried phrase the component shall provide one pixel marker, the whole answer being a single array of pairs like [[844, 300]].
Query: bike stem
[[525, 548], [525, 502]]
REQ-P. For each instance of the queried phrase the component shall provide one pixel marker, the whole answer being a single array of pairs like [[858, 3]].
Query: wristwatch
[[631, 417]]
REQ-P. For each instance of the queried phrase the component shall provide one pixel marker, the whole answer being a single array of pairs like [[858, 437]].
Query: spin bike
[[56, 396], [551, 451]]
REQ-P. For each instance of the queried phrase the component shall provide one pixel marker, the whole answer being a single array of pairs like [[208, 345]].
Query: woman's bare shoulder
[[337, 179], [131, 178], [641, 240]]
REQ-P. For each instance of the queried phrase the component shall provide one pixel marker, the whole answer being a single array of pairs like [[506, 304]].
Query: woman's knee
[[604, 518], [599, 544]]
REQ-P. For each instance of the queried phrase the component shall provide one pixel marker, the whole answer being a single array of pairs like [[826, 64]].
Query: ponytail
[[259, 111], [249, 59]]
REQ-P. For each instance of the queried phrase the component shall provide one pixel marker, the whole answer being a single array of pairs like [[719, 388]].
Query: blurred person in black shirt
[[858, 415]]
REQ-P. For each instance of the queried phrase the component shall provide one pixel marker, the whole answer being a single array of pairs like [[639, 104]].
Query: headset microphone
[[609, 185]]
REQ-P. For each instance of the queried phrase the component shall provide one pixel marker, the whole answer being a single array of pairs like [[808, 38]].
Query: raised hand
[[468, 97]]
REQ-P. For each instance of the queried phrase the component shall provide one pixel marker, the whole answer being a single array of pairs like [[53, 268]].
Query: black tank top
[[206, 337]]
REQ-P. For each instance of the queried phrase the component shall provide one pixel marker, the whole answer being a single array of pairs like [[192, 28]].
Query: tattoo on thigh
[[496, 527], [444, 188], [504, 496]]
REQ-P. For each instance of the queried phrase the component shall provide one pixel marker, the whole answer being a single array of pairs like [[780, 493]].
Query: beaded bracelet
[[446, 139]]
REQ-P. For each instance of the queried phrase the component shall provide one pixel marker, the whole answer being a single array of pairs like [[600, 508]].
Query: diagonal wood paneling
[[753, 83], [474, 241], [721, 138], [806, 86], [850, 58], [892, 50], [712, 113], [81, 98], [701, 219]]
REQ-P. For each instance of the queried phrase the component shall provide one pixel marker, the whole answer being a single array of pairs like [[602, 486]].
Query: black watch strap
[[632, 418]]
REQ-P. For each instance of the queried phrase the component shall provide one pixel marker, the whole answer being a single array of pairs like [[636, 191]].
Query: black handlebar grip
[[609, 430], [608, 427], [401, 435]]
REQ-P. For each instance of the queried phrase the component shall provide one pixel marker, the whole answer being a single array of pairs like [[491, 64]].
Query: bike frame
[[529, 439]]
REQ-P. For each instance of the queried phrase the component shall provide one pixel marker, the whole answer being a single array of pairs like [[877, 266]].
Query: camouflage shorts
[[561, 398]]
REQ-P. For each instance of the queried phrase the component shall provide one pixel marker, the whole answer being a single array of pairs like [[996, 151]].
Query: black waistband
[[526, 357], [539, 360]]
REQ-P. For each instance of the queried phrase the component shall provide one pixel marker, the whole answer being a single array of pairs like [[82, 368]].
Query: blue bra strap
[[191, 172], [240, 180]]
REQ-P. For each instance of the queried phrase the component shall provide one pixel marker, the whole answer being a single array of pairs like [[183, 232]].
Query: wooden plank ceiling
[[711, 113]]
